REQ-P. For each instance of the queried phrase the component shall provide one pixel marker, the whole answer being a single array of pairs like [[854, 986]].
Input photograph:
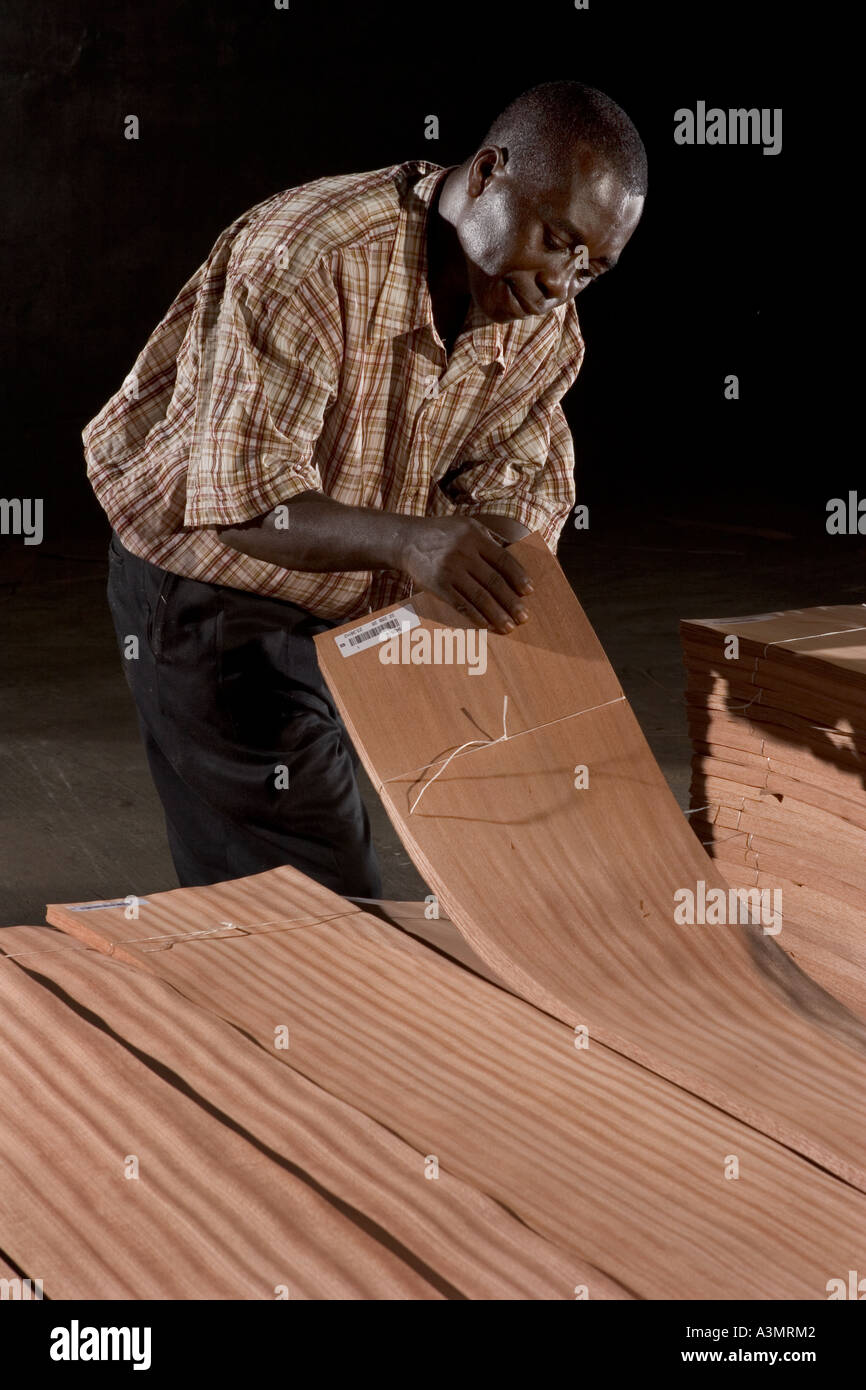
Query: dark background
[[698, 506], [237, 100]]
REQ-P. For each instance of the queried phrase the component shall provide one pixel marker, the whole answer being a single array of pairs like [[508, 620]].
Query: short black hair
[[543, 127]]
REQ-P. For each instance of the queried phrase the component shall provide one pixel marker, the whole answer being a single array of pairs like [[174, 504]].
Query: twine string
[[504, 737], [812, 637], [471, 743], [250, 929]]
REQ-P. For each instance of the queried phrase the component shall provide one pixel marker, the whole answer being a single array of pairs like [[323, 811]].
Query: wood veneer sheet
[[437, 931], [609, 1162], [17, 1285], [250, 1178], [558, 850]]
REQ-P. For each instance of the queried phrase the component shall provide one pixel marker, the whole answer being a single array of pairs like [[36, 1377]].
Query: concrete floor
[[80, 818]]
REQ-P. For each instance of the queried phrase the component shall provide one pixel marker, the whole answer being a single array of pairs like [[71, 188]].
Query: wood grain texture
[[438, 932], [569, 895], [18, 1286], [779, 774], [612, 1164], [250, 1176]]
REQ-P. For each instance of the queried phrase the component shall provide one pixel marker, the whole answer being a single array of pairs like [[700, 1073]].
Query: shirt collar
[[404, 299], [404, 302]]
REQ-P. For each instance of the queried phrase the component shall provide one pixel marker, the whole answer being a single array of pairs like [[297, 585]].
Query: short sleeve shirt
[[303, 356]]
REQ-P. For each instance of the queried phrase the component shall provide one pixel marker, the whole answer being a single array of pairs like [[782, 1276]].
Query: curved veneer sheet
[[524, 790]]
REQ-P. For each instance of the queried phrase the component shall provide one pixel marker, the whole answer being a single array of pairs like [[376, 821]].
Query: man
[[357, 394]]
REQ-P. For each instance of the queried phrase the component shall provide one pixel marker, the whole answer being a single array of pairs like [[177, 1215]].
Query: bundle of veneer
[[777, 715]]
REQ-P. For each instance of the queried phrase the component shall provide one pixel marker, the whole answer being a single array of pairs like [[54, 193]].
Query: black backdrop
[[236, 100]]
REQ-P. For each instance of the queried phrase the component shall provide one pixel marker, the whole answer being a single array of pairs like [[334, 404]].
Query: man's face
[[521, 239]]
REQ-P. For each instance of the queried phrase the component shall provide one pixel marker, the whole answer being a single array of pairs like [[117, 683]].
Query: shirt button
[[432, 387]]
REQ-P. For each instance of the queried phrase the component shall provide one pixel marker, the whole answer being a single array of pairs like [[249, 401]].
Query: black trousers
[[250, 758]]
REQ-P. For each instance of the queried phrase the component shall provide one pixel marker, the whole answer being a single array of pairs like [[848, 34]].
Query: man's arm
[[455, 557]]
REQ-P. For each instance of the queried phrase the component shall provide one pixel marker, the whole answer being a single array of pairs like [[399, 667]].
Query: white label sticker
[[378, 630]]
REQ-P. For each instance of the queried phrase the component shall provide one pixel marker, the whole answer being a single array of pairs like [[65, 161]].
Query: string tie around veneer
[[476, 743], [783, 642], [812, 637], [471, 743]]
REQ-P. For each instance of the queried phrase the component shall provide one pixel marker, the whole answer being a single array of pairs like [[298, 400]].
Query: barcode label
[[378, 630]]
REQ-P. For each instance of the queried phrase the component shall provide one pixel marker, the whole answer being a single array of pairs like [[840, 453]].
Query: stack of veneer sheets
[[259, 1090], [777, 714], [538, 1085]]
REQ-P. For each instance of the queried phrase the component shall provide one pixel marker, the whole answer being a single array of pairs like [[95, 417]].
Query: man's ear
[[489, 160]]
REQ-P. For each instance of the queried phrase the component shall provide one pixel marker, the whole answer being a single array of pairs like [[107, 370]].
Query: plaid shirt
[[303, 356]]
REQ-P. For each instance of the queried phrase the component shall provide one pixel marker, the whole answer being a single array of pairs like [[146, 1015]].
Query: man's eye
[[552, 243]]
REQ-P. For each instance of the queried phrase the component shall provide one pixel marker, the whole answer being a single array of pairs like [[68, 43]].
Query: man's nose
[[555, 285]]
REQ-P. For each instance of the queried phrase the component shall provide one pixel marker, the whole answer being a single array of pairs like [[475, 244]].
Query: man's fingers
[[495, 614], [497, 585], [500, 559], [465, 607]]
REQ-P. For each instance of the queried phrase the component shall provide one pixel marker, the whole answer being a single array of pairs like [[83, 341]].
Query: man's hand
[[460, 561]]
